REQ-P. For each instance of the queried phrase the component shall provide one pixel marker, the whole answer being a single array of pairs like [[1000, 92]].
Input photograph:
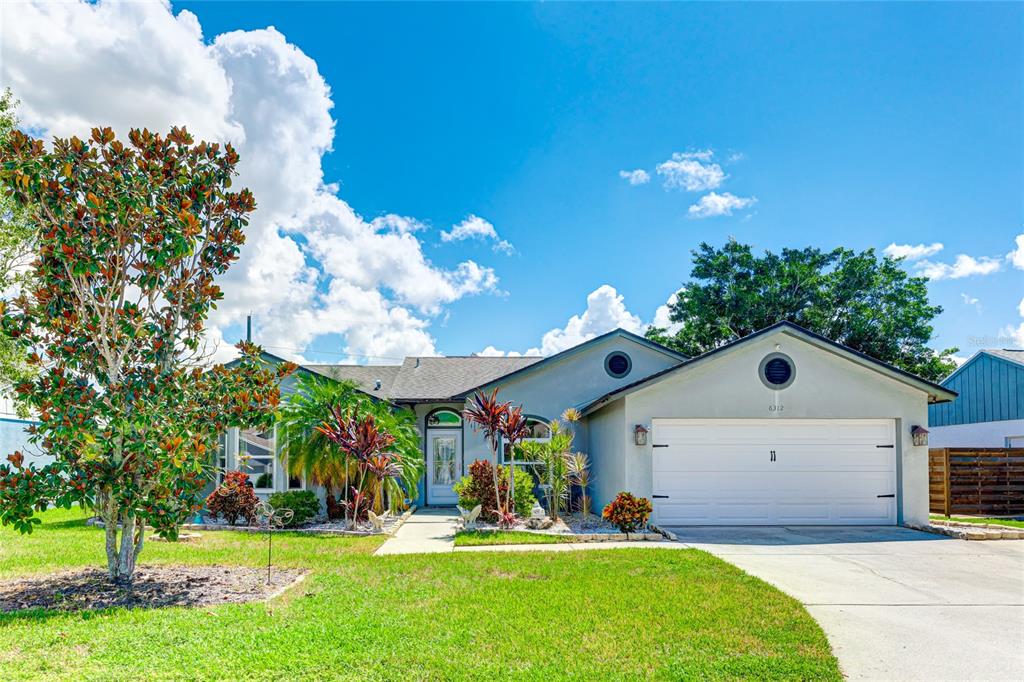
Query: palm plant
[[556, 464], [367, 444], [307, 451], [578, 465]]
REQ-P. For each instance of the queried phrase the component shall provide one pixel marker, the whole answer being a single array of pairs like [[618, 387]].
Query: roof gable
[[991, 388], [936, 392], [546, 362], [1008, 355], [445, 378]]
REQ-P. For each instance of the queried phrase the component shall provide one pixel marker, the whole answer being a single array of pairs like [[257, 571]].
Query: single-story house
[[990, 410], [780, 427]]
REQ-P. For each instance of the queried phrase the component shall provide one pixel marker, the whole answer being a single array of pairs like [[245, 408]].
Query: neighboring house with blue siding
[[14, 438], [990, 410]]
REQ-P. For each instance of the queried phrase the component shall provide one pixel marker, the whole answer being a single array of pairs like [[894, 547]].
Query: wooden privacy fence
[[976, 481]]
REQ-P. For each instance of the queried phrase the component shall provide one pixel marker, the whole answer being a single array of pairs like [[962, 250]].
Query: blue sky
[[841, 125]]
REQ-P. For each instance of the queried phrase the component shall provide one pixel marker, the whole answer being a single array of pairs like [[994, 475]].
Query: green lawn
[[975, 519], [474, 538], [604, 614]]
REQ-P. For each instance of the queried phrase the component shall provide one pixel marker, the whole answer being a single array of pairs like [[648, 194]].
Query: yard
[[612, 614], [476, 538]]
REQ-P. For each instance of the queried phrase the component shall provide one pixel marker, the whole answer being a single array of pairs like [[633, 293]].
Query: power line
[[333, 352]]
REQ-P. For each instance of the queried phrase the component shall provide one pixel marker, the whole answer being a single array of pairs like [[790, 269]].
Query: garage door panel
[[824, 472]]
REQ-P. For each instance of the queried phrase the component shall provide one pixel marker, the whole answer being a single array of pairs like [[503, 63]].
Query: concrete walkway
[[896, 604], [427, 531]]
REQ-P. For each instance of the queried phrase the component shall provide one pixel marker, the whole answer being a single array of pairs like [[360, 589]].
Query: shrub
[[303, 503], [627, 512], [478, 488], [233, 499], [265, 480]]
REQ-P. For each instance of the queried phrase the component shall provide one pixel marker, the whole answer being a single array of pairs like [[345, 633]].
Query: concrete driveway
[[896, 604]]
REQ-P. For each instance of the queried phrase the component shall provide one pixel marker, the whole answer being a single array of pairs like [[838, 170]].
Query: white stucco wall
[[1000, 434], [826, 386]]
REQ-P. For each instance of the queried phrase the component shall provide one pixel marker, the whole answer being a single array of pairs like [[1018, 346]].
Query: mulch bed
[[153, 587]]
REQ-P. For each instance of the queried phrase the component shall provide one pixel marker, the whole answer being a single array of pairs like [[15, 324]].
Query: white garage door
[[774, 471]]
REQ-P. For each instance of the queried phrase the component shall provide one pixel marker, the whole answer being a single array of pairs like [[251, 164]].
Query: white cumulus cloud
[[605, 311], [635, 177], [912, 251], [662, 315], [1016, 257], [311, 265], [714, 204], [963, 266], [475, 227], [691, 171]]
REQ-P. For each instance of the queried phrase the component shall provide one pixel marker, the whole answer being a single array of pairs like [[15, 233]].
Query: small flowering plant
[[628, 512]]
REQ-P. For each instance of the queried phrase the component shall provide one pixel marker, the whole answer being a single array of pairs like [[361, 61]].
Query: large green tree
[[16, 234], [860, 300], [129, 240]]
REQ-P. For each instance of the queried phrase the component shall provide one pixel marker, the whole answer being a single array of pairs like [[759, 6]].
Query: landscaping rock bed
[[579, 528], [973, 531], [319, 527], [153, 587]]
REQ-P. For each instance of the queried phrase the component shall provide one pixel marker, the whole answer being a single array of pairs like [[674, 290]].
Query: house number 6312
[[776, 408]]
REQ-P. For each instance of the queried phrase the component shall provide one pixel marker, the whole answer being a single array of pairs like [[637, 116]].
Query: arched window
[[540, 431], [443, 418]]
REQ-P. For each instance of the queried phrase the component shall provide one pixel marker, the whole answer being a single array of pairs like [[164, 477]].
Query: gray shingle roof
[[1008, 354], [365, 376], [430, 378], [425, 378]]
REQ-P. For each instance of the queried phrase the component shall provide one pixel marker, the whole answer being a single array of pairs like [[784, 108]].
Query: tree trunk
[[511, 500], [333, 508], [121, 560], [131, 545]]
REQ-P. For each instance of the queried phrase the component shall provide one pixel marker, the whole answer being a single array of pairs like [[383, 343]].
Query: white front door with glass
[[444, 464]]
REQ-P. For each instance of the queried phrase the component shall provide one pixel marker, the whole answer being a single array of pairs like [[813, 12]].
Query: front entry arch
[[443, 445]]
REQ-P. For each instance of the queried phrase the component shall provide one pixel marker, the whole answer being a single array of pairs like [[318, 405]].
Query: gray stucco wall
[[826, 386], [608, 450], [573, 381]]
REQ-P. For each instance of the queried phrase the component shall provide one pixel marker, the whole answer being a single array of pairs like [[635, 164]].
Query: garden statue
[[469, 517]]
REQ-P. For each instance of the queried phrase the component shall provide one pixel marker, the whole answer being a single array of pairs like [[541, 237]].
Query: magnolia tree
[[130, 239]]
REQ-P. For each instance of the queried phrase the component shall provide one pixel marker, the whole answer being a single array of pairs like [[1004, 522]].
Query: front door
[[444, 462]]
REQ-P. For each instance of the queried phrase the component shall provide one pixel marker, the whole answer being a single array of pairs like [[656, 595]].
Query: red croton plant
[[500, 423], [130, 237]]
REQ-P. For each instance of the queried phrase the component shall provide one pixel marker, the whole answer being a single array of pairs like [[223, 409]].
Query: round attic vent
[[777, 371], [617, 364]]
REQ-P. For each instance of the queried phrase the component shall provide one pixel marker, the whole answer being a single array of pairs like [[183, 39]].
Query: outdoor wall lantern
[[639, 435], [919, 434]]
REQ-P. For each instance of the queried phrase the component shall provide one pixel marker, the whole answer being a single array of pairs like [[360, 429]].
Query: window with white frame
[[256, 454], [539, 431]]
